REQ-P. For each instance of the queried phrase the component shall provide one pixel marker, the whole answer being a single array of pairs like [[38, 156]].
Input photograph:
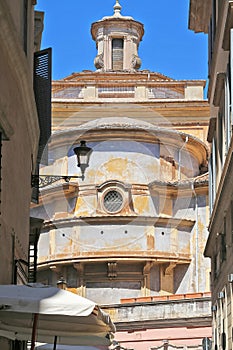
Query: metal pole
[[196, 238], [179, 157], [55, 343], [0, 168], [34, 328]]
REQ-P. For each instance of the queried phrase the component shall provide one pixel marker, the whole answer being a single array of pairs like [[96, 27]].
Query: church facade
[[131, 232]]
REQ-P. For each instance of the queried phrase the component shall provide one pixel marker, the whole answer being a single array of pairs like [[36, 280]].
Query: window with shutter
[[42, 90], [25, 26]]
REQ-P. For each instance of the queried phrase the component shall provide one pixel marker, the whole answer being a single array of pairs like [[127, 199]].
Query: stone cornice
[[109, 76], [107, 219], [199, 15], [228, 26], [103, 256], [121, 22], [187, 187]]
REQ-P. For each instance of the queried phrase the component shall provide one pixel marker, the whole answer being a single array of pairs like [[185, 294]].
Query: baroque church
[[128, 229]]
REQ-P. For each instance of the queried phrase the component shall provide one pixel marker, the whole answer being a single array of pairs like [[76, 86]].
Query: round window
[[113, 201]]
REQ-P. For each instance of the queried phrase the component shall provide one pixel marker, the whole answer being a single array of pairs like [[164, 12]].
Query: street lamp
[[83, 153]]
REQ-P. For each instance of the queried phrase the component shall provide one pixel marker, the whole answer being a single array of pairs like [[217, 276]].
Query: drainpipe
[[179, 157], [0, 171], [197, 237]]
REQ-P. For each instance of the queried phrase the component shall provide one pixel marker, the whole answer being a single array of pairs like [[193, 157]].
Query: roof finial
[[117, 9]]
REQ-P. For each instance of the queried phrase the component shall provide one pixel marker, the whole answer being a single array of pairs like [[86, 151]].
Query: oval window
[[113, 201]]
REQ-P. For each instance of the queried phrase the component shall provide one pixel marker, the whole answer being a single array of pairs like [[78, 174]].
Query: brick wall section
[[166, 297]]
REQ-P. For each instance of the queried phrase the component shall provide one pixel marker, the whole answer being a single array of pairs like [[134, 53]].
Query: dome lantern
[[117, 40]]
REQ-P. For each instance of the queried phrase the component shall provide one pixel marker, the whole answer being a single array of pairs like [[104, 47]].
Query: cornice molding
[[219, 88], [106, 256], [228, 26], [199, 15], [121, 22], [157, 221], [212, 128]]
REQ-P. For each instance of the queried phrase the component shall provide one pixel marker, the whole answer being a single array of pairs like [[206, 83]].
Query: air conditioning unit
[[220, 295], [230, 278]]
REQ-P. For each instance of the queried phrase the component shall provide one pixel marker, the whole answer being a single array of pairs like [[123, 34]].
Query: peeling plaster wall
[[140, 162], [159, 232], [74, 241]]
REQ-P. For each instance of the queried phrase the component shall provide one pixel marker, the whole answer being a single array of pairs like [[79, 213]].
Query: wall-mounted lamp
[[83, 153], [61, 283]]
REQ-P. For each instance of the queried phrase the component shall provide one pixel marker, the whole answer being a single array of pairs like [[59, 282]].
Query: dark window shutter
[[25, 24], [42, 91], [35, 228], [35, 185]]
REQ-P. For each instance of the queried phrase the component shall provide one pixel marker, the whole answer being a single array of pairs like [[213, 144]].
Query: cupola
[[117, 39]]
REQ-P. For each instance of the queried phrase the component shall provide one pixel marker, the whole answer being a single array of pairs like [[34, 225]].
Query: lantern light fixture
[[83, 153]]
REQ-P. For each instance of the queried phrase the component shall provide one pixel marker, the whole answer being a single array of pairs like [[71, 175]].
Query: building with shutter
[[215, 18], [20, 36], [131, 234]]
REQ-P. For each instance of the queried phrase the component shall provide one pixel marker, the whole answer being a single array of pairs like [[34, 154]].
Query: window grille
[[116, 91], [164, 92], [120, 89], [113, 201], [69, 93]]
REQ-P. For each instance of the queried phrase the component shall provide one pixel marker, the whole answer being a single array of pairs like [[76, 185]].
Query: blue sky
[[168, 46]]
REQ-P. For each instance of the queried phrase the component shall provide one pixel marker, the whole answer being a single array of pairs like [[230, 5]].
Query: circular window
[[113, 201]]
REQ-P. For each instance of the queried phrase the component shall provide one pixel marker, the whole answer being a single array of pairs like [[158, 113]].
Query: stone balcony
[[191, 310]]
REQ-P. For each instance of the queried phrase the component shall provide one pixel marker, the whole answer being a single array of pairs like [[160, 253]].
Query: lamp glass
[[83, 153]]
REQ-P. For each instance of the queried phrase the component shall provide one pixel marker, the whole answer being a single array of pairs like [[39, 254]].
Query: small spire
[[117, 9]]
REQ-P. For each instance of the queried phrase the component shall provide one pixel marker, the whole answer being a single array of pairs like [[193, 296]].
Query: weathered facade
[[19, 136], [130, 235], [217, 20]]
